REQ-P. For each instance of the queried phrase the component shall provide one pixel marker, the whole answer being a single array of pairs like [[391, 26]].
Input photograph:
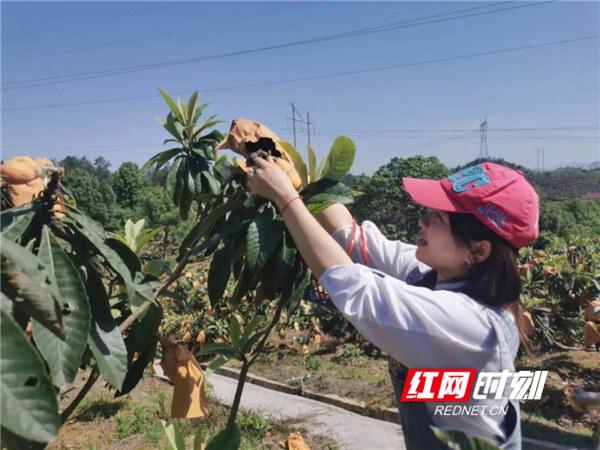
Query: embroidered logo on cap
[[492, 212], [469, 178]]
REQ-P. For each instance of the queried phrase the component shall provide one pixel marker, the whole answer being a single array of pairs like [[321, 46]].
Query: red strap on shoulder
[[363, 246], [352, 238], [363, 242]]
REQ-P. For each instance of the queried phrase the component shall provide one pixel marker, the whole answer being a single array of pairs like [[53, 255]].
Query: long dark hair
[[493, 282]]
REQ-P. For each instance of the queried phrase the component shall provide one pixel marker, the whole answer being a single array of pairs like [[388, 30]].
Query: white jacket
[[419, 327]]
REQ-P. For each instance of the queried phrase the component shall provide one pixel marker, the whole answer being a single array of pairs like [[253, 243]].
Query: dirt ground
[[366, 379], [133, 422]]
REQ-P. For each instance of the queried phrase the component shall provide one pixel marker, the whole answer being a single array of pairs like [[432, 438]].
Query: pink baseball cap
[[498, 196]]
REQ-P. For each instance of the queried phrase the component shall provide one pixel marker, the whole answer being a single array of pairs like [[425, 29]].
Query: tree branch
[[80, 395]]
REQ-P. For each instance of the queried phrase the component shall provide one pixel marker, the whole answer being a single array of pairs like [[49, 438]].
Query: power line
[[68, 78], [388, 136], [473, 130], [153, 36], [326, 76]]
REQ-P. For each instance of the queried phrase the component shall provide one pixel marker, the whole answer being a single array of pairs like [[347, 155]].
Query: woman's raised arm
[[334, 217], [318, 249]]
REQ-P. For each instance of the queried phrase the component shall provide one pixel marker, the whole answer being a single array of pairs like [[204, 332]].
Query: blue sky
[[543, 97]]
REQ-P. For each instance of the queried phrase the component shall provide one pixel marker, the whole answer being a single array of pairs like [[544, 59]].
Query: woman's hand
[[269, 181]]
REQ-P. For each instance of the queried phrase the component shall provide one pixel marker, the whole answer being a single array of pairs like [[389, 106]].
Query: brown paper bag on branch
[[189, 397]]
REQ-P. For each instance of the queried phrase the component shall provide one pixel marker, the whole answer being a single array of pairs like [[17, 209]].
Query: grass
[[98, 407], [134, 423], [537, 427]]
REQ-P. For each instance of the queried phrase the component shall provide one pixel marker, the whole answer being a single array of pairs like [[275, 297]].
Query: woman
[[442, 303]]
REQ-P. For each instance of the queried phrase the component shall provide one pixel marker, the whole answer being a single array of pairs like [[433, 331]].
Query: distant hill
[[594, 165], [567, 183], [558, 184], [589, 166]]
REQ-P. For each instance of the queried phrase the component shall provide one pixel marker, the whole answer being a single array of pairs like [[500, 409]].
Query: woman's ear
[[480, 250]]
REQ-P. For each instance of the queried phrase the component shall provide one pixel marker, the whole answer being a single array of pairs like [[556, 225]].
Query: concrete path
[[351, 431]]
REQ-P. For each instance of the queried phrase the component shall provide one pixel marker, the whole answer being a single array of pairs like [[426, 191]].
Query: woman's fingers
[[260, 162]]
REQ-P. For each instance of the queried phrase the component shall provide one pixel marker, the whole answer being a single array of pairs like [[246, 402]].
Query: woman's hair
[[495, 281]]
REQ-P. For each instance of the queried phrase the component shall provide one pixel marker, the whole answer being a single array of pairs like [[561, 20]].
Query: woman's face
[[437, 247]]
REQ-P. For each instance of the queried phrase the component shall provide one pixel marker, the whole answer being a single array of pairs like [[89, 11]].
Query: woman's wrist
[[282, 200]]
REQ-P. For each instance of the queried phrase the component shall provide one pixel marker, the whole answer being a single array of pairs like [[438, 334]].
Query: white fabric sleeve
[[417, 326], [396, 258]]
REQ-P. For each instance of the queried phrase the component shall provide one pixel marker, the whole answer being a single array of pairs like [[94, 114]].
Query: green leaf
[[160, 159], [213, 184], [26, 282], [296, 159], [105, 339], [172, 178], [187, 189], [191, 107], [325, 192], [221, 349], [174, 435], [245, 283], [157, 267], [226, 439], [29, 407], [234, 332], [63, 357], [135, 371], [204, 226], [171, 103], [312, 164], [7, 216], [126, 253], [218, 274], [182, 110], [208, 123], [145, 291], [263, 235], [251, 326], [180, 180], [15, 221], [218, 362], [173, 127], [297, 294], [246, 346], [89, 230], [339, 160], [285, 263]]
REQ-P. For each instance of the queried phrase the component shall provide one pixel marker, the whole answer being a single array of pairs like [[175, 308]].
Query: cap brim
[[430, 194]]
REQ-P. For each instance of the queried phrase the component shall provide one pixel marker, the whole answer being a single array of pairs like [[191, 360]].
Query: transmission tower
[[483, 147]]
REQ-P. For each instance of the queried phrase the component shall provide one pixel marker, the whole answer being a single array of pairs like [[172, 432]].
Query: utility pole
[[541, 156], [483, 147], [543, 160], [308, 126], [294, 122]]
